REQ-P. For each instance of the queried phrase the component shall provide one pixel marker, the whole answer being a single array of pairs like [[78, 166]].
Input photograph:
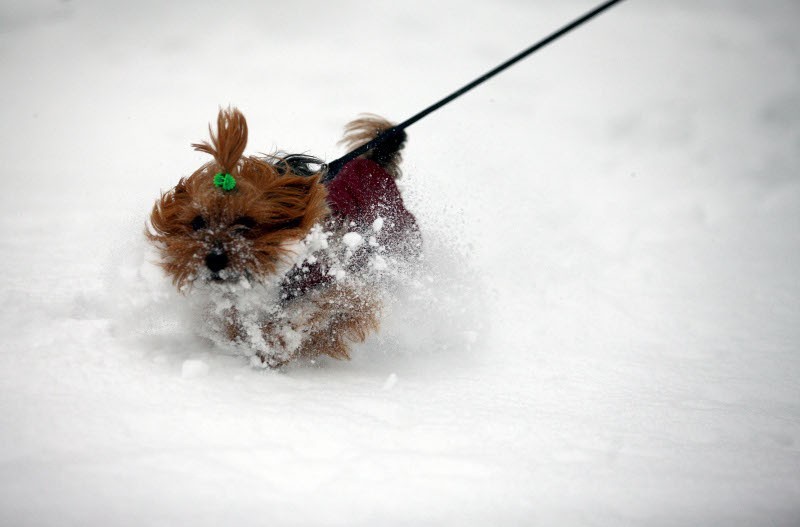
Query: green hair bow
[[224, 181]]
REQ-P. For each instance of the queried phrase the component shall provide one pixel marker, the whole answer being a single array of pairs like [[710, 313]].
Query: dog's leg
[[326, 323], [344, 316]]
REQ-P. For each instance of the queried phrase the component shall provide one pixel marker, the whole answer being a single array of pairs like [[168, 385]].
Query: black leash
[[334, 166]]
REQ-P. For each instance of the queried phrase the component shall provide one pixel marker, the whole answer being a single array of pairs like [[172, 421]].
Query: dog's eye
[[198, 223], [244, 223]]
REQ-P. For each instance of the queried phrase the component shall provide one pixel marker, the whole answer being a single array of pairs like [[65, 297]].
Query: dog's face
[[235, 216]]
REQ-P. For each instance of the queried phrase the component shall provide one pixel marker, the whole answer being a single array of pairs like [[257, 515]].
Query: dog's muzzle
[[217, 260]]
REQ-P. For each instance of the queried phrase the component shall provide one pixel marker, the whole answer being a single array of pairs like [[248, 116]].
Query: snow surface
[[607, 331]]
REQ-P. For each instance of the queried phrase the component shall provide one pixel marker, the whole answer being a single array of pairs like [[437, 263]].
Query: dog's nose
[[217, 261]]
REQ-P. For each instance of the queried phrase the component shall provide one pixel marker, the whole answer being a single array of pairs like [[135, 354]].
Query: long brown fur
[[251, 223], [340, 316], [283, 207]]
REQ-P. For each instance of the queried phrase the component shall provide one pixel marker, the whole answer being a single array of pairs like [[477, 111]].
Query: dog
[[290, 267]]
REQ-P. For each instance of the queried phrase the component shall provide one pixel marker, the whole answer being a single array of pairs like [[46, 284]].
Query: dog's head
[[235, 216]]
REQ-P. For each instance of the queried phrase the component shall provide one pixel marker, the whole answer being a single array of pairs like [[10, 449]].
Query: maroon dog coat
[[362, 192]]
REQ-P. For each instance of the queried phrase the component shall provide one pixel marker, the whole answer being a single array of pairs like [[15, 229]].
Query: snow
[[605, 331], [390, 382], [191, 369], [352, 240]]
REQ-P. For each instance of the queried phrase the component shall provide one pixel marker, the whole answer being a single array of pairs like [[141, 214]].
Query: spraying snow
[[603, 329]]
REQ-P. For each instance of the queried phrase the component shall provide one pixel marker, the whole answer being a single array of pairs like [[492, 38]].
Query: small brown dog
[[290, 267]]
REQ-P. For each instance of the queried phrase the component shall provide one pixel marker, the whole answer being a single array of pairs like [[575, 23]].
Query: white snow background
[[609, 330]]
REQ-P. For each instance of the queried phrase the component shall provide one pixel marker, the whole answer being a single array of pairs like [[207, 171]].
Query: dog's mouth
[[226, 277], [223, 278]]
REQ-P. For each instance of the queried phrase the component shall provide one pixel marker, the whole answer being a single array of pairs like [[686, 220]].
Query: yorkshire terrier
[[289, 267]]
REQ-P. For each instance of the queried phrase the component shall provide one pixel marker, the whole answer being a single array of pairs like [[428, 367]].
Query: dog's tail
[[366, 128]]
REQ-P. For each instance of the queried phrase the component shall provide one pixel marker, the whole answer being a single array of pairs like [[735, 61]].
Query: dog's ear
[[227, 145]]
